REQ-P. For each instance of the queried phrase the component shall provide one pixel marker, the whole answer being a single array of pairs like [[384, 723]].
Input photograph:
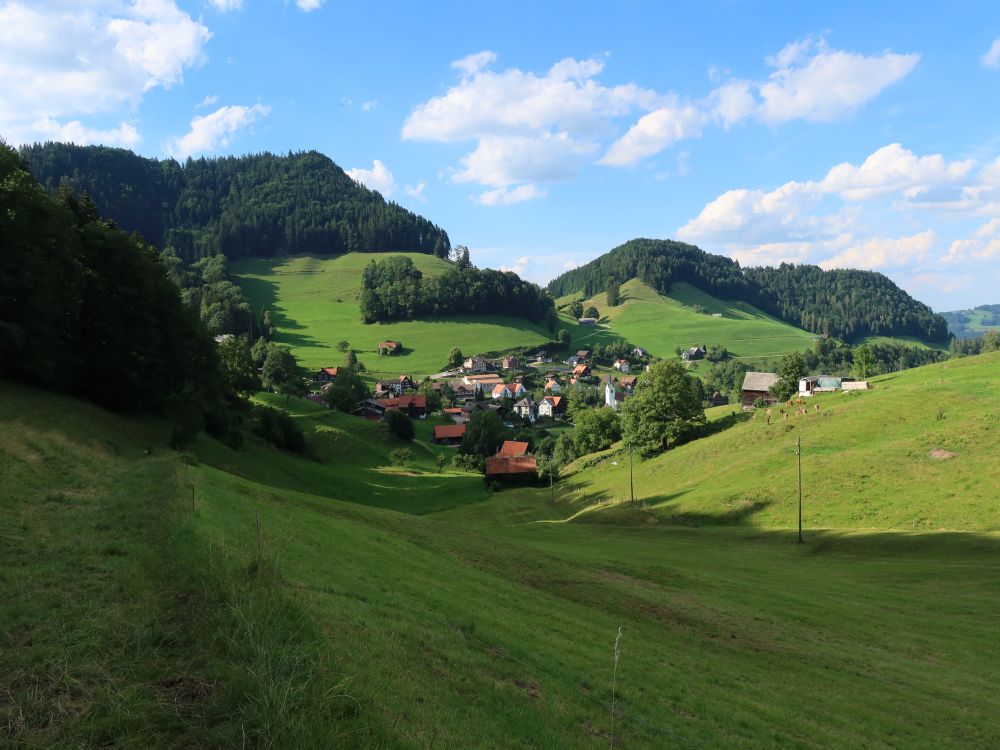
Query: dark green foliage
[[394, 289], [400, 425], [279, 366], [726, 377], [791, 368], [717, 353], [614, 292], [664, 410], [87, 309], [346, 391], [988, 342], [564, 337], [864, 362], [591, 312], [844, 303], [239, 372], [400, 456], [830, 356], [483, 434], [594, 430], [575, 308], [258, 205], [455, 357], [279, 429]]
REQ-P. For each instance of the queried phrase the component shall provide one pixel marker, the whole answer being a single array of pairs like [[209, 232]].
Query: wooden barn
[[757, 385]]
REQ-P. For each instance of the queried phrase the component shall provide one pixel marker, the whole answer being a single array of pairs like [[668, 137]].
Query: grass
[[903, 340], [489, 622], [314, 304]]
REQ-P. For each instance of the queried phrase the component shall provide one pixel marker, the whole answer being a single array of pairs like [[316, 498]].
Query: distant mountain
[[258, 205], [848, 304], [974, 322]]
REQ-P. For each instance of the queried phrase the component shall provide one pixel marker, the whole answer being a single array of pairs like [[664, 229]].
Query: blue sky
[[543, 134]]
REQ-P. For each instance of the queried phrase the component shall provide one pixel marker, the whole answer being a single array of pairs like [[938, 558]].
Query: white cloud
[[982, 245], [377, 178], [369, 105], [503, 196], [79, 59], [215, 131], [208, 101], [829, 84], [892, 169], [520, 266], [653, 133], [472, 64], [992, 57], [505, 160], [416, 191], [124, 135], [884, 252], [307, 6], [225, 6], [733, 102]]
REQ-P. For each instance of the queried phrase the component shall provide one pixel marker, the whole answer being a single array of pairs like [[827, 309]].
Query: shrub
[[399, 424], [400, 456]]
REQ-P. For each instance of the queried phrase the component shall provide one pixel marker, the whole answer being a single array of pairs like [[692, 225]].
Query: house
[[717, 399], [456, 414], [583, 355], [462, 392], [757, 385], [639, 352], [621, 365], [525, 408], [508, 390], [572, 360], [326, 375], [390, 347], [552, 406], [370, 409], [510, 363], [552, 385], [612, 396], [485, 381], [627, 383], [511, 469], [414, 406], [581, 371], [513, 448], [475, 364], [587, 321], [449, 434], [405, 383], [543, 356], [385, 388], [695, 352]]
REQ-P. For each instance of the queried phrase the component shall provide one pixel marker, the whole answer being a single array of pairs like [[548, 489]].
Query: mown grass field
[[314, 304], [488, 620], [662, 323]]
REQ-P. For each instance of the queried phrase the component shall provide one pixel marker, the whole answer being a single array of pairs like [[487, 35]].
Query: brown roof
[[417, 401], [388, 345], [513, 448], [331, 371], [759, 381], [443, 431], [580, 369], [554, 400], [510, 465]]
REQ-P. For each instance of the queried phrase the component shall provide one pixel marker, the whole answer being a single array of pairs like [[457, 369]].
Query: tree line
[[848, 304], [395, 289], [254, 205]]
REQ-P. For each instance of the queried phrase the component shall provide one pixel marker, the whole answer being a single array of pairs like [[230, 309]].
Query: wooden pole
[[631, 484], [798, 457]]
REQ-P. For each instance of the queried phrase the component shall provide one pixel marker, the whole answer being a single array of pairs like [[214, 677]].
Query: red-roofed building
[[389, 347], [581, 371], [511, 469], [326, 375], [513, 448], [552, 407], [449, 434], [415, 405]]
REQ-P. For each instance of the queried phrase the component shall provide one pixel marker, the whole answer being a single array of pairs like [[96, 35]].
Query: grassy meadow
[[314, 304], [395, 607]]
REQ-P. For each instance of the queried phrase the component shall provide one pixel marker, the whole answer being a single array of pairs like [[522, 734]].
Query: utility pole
[[798, 457], [631, 484]]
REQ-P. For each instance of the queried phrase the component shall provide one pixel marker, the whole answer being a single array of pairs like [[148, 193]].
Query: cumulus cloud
[[653, 133], [307, 6], [505, 160], [71, 60], [992, 57], [520, 266], [377, 178], [884, 252], [892, 169], [225, 6], [208, 101], [503, 196], [982, 245], [74, 131], [416, 191], [472, 64], [215, 131]]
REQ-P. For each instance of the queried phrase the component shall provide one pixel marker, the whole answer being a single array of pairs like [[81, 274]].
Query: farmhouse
[[581, 371], [475, 364], [513, 448], [543, 356], [455, 413], [511, 469], [583, 355], [628, 383], [695, 352], [384, 388], [639, 352], [510, 363], [552, 385], [449, 434], [326, 375], [717, 399], [508, 390], [552, 406], [587, 321], [757, 385], [414, 405], [525, 408], [390, 347], [370, 409], [621, 365]]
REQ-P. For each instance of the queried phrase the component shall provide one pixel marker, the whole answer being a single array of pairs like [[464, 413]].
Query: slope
[[314, 304], [973, 322], [358, 627], [663, 323]]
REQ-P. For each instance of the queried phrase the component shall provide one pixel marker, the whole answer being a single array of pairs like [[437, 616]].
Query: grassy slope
[[866, 461], [469, 629], [662, 323], [303, 294]]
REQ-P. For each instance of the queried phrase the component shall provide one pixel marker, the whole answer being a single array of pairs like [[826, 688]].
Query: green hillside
[[314, 304], [136, 610], [974, 322], [662, 323]]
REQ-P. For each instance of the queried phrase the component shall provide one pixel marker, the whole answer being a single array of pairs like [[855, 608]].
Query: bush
[[400, 456], [279, 429], [399, 424]]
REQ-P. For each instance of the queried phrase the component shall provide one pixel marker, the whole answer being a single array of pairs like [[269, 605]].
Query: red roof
[[512, 448], [580, 369], [556, 401], [331, 371], [446, 431], [511, 465], [388, 345], [454, 410], [417, 401]]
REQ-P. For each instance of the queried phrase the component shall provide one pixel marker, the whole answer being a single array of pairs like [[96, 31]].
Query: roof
[[586, 321], [583, 353], [627, 380], [556, 401], [417, 401], [759, 381], [389, 345], [525, 402], [510, 465], [580, 369], [513, 448], [331, 371], [445, 431]]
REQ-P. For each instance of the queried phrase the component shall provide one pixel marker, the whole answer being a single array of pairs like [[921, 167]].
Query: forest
[[256, 205], [394, 289], [848, 304]]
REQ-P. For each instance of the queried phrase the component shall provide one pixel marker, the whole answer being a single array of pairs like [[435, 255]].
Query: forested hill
[[848, 304], [259, 205]]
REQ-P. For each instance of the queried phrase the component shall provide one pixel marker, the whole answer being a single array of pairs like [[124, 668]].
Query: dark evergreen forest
[[258, 205], [847, 304]]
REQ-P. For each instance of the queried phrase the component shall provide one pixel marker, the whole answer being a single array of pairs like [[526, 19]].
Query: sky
[[541, 135]]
